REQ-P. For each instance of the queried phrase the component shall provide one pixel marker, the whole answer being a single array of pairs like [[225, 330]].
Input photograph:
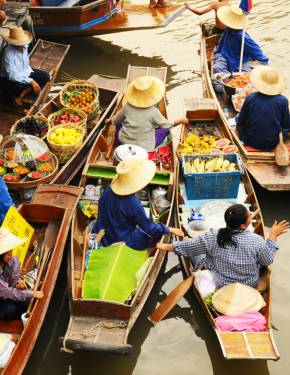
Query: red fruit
[[216, 151], [230, 149], [221, 143]]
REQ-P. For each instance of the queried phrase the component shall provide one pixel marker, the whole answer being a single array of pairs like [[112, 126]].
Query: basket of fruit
[[65, 140], [235, 81], [82, 95], [68, 116], [33, 125]]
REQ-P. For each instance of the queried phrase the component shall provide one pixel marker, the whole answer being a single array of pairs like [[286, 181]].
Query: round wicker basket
[[76, 112], [64, 152], [14, 129], [72, 88]]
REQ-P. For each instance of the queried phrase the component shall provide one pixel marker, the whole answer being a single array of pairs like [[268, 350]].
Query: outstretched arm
[[200, 11]]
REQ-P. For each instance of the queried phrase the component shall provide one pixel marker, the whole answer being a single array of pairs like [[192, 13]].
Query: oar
[[49, 242], [171, 300], [281, 153]]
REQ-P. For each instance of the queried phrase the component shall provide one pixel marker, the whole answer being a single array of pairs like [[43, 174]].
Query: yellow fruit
[[52, 136]]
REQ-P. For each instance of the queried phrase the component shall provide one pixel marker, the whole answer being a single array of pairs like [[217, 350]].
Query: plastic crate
[[212, 185]]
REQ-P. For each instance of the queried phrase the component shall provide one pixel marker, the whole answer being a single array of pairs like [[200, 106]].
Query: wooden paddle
[[171, 300], [281, 153], [49, 242]]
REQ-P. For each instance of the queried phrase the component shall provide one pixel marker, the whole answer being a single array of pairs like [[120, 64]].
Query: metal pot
[[159, 192], [226, 78], [128, 151]]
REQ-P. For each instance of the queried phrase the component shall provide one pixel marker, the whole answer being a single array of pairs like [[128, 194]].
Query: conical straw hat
[[8, 241], [232, 16], [145, 91], [235, 299], [132, 176], [267, 80], [17, 36]]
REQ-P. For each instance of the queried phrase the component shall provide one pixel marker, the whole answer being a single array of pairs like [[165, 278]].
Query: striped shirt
[[232, 263]]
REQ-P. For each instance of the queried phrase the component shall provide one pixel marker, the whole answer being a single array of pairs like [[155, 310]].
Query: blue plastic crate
[[212, 185]]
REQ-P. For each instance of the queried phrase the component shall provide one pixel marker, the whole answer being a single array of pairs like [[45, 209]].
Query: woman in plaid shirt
[[233, 254]]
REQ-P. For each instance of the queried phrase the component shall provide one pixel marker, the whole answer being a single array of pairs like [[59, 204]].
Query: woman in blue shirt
[[265, 113], [228, 52], [121, 213]]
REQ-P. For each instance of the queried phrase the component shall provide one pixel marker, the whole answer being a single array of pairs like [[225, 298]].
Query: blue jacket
[[124, 219], [5, 200], [230, 48]]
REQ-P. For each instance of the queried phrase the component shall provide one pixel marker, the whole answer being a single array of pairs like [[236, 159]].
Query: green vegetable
[[208, 300]]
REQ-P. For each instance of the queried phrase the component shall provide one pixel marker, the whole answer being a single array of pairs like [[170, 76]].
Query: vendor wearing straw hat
[[142, 123], [228, 52], [232, 254], [265, 113], [16, 73], [13, 293], [121, 213]]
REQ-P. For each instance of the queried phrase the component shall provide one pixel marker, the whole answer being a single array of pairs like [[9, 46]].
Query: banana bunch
[[218, 164], [194, 144]]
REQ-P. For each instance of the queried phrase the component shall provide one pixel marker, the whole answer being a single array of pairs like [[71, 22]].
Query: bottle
[[226, 112], [99, 188]]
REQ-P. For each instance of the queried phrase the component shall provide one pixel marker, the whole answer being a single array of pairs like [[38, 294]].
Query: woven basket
[[79, 85], [77, 112], [14, 129], [64, 152]]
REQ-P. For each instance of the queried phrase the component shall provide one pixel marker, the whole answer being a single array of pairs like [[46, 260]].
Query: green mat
[[111, 273], [159, 178]]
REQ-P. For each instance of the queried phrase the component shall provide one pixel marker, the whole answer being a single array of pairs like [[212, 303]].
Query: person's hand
[[176, 232], [38, 294], [278, 229], [20, 284], [181, 121], [35, 86], [108, 121], [164, 246]]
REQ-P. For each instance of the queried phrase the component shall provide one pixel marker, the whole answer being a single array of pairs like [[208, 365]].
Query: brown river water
[[183, 343]]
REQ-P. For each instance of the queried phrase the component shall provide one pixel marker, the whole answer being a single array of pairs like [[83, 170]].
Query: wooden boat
[[16, 13], [89, 17], [260, 164], [102, 325], [234, 345], [59, 205]]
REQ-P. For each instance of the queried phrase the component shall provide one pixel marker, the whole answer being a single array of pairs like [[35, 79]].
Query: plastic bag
[[205, 282]]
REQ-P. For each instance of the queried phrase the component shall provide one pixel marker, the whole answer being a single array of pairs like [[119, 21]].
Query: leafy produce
[[195, 144], [65, 136], [2, 170], [214, 164], [66, 118], [208, 300], [11, 177], [36, 126], [239, 80]]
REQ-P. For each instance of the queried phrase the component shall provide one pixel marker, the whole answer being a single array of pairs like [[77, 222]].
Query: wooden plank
[[261, 345], [234, 345], [270, 176]]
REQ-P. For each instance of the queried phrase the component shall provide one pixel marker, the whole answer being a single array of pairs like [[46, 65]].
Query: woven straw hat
[[8, 241], [267, 80], [232, 16], [235, 299], [145, 91], [17, 36], [132, 176]]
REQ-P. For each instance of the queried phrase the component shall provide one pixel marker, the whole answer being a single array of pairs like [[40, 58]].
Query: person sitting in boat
[[5, 201], [228, 51], [16, 71], [209, 29], [265, 113], [233, 254], [140, 122], [13, 293], [121, 213], [159, 4]]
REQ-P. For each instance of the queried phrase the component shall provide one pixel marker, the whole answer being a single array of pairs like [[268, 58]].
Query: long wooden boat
[[59, 204], [16, 14], [234, 345], [102, 325], [260, 164], [90, 17]]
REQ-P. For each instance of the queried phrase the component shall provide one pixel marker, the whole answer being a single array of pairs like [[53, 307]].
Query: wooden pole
[[243, 45]]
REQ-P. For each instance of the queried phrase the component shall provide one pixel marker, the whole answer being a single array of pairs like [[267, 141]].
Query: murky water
[[184, 343]]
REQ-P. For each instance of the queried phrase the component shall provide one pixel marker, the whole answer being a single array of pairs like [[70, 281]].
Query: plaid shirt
[[231, 264]]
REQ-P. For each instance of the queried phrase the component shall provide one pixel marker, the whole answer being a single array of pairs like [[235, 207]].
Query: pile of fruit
[[239, 99], [239, 80], [207, 144], [33, 125], [66, 117], [79, 99], [65, 136], [213, 164]]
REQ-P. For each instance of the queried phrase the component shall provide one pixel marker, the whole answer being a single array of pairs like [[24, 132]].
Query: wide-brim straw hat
[[17, 36], [9, 241], [232, 16], [145, 91], [235, 299], [132, 176], [267, 80]]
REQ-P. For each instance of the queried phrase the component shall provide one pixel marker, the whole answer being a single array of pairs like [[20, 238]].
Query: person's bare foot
[[163, 4], [18, 101]]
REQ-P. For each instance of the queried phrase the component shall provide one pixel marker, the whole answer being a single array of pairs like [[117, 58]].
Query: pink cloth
[[246, 322]]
